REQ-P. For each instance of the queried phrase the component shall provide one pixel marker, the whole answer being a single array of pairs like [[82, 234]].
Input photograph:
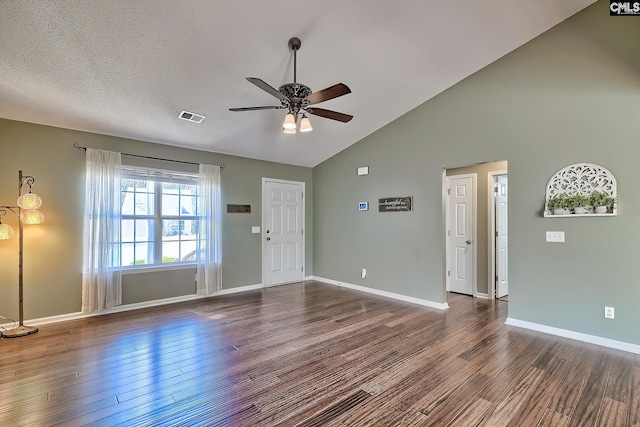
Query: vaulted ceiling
[[129, 67]]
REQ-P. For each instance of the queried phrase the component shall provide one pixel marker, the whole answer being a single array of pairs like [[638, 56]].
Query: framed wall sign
[[238, 208], [363, 206], [395, 204]]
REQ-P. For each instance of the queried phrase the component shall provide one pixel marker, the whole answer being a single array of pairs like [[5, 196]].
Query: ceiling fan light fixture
[[305, 124], [285, 130], [289, 122]]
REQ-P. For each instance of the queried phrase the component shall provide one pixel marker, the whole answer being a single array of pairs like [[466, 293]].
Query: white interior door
[[283, 232], [502, 279], [460, 234]]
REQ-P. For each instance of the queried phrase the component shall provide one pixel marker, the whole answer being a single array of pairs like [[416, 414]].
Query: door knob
[[468, 242], [268, 238]]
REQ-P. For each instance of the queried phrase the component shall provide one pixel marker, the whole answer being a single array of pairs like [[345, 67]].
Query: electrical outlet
[[364, 273], [609, 312]]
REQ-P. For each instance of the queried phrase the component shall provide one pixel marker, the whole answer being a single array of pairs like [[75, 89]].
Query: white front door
[[502, 279], [460, 234], [283, 217]]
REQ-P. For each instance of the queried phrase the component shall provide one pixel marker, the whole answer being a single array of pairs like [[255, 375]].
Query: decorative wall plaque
[[395, 204], [238, 208], [581, 179]]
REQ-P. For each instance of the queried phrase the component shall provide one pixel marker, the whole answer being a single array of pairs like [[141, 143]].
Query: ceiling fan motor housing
[[296, 93]]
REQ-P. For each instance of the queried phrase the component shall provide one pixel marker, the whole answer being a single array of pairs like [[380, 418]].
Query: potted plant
[[559, 204], [579, 203], [601, 202]]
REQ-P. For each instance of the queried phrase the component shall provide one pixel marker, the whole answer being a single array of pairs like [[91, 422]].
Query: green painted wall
[[570, 95], [53, 251]]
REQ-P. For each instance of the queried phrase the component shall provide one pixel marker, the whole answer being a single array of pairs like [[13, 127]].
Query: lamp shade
[[31, 216], [29, 201], [6, 231], [305, 124], [289, 121], [285, 130]]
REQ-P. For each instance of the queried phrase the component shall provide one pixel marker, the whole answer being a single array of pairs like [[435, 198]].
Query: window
[[160, 224]]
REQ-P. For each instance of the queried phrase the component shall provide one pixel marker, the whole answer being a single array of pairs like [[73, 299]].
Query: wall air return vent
[[191, 117]]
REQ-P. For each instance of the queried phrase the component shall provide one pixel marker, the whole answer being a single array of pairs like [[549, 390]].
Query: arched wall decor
[[581, 179]]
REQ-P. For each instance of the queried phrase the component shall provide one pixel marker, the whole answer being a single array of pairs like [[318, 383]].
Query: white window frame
[[159, 177]]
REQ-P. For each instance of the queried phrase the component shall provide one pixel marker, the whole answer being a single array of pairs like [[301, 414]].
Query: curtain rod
[[79, 147]]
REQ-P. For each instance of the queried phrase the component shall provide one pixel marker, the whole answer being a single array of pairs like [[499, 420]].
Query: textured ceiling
[[129, 67]]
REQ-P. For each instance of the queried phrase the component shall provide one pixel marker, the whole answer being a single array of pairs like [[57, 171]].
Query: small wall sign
[[238, 208], [363, 206], [395, 204]]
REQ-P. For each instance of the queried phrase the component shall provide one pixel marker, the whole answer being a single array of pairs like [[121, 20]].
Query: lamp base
[[20, 331]]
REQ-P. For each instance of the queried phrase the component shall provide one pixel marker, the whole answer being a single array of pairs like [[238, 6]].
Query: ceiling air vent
[[192, 117]]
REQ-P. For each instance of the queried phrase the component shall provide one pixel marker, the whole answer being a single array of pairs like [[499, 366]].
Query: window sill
[[155, 268]]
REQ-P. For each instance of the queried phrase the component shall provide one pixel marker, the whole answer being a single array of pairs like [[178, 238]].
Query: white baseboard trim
[[482, 296], [424, 302], [578, 336], [129, 307]]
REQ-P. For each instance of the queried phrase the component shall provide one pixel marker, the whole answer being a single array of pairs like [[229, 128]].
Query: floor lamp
[[27, 213]]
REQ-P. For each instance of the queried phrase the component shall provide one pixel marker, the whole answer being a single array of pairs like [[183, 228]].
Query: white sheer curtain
[[209, 258], [101, 275]]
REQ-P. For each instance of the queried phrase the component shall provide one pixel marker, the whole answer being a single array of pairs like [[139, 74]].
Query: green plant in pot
[[601, 202], [559, 204], [580, 204]]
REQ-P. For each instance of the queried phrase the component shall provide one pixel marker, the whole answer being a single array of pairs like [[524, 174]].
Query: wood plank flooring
[[312, 354]]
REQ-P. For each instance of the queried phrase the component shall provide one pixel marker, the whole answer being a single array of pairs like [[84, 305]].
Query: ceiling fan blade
[[267, 88], [268, 107], [328, 93], [328, 114]]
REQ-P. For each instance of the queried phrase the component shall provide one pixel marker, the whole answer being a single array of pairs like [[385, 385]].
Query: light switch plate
[[255, 230], [363, 170], [555, 236]]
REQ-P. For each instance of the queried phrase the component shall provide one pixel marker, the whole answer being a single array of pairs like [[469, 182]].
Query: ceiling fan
[[298, 98]]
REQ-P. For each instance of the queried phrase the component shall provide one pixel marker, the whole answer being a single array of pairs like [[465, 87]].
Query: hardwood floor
[[312, 355]]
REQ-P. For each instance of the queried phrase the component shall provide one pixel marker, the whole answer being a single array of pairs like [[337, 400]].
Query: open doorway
[[475, 258]]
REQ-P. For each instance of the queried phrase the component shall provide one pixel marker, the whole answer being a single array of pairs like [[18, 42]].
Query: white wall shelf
[[550, 215], [581, 179]]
